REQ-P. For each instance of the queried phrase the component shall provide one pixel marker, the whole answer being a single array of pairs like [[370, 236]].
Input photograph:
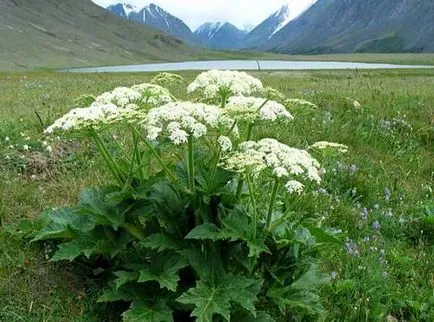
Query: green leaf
[[205, 231], [73, 249], [93, 204], [214, 298], [164, 270], [301, 293], [63, 223], [245, 317], [161, 242], [237, 226], [141, 311], [124, 277], [321, 235]]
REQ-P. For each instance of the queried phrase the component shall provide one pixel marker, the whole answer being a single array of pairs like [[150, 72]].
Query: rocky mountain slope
[[332, 26]]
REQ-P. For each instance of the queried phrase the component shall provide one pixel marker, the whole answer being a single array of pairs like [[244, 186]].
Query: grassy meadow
[[379, 194]]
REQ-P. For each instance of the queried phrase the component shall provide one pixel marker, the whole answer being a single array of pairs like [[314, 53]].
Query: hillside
[[60, 33], [345, 26]]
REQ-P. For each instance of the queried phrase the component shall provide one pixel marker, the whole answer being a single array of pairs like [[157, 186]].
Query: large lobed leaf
[[214, 298]]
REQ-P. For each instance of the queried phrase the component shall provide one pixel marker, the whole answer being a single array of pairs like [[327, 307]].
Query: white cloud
[[238, 12]]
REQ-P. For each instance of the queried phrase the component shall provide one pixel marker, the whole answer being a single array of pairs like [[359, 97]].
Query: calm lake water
[[239, 65]]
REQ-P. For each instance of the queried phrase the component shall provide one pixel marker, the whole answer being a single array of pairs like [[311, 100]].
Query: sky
[[237, 12]]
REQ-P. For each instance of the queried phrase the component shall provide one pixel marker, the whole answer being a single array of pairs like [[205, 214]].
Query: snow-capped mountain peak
[[128, 8], [210, 29]]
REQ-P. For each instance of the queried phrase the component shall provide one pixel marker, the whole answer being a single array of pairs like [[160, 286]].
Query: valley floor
[[385, 117]]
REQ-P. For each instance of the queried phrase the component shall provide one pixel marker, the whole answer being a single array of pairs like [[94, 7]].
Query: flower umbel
[[279, 159], [214, 81], [179, 120], [252, 109]]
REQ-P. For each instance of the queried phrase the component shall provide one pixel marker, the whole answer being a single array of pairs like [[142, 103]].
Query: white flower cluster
[[269, 154], [120, 96], [182, 119], [322, 145], [165, 79], [153, 95], [213, 81], [225, 143], [96, 115], [252, 109]]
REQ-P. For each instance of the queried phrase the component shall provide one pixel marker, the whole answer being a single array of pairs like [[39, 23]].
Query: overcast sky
[[238, 12]]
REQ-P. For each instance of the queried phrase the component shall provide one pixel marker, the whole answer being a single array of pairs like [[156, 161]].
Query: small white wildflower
[[7, 139], [213, 81], [49, 148], [322, 145], [225, 143], [26, 147], [294, 186], [252, 109]]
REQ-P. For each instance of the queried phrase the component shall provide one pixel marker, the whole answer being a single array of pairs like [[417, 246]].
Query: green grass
[[387, 156]]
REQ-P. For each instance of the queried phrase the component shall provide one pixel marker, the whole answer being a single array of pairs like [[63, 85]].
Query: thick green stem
[[271, 206], [108, 159], [190, 160], [138, 156], [241, 181], [255, 210]]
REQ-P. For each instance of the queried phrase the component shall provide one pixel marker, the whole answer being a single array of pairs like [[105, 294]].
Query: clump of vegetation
[[186, 229]]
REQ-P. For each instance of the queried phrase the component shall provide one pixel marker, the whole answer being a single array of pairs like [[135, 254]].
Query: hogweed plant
[[196, 223]]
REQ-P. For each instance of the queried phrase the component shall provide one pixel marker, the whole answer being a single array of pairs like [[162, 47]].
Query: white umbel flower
[[294, 186], [225, 143], [166, 79], [95, 116], [179, 120], [278, 159], [213, 81], [322, 145], [120, 96], [252, 109], [153, 95]]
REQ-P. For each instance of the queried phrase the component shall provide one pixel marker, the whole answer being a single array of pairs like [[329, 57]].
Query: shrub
[[198, 220]]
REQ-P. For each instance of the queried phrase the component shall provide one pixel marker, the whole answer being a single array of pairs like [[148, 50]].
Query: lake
[[240, 65]]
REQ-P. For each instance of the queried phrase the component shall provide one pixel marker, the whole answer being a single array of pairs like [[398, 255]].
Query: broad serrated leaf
[[161, 242], [237, 226], [301, 293], [141, 311], [208, 300], [82, 245], [63, 223], [205, 231], [214, 298], [124, 277], [164, 270], [93, 203]]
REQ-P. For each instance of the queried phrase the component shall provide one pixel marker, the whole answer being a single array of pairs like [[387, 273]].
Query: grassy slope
[[33, 290], [54, 34]]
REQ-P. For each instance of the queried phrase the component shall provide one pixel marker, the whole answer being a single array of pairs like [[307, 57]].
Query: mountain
[[344, 26], [62, 33], [221, 35], [122, 10], [154, 16], [265, 30]]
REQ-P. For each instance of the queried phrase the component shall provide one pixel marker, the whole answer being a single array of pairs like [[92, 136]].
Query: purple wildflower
[[376, 225], [352, 248], [387, 194], [364, 213]]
